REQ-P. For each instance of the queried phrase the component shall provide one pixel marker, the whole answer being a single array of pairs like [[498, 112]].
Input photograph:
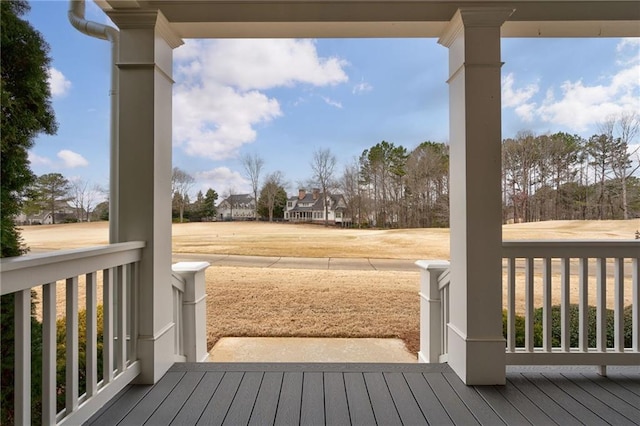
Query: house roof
[[238, 199], [318, 204]]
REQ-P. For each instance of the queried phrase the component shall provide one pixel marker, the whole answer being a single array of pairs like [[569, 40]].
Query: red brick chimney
[[316, 193], [301, 193]]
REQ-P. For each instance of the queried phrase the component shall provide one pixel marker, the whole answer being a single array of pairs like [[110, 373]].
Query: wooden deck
[[370, 394]]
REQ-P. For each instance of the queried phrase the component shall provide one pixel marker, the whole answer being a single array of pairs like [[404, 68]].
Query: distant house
[[64, 212], [311, 208], [237, 207]]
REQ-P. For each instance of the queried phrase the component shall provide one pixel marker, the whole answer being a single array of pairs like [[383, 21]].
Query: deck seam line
[[404, 377], [549, 396], [210, 397], [433, 391], [165, 398], [532, 402], [187, 398], [253, 407], [572, 397], [597, 398]]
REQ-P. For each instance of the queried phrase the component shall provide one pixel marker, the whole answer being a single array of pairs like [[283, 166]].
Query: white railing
[[114, 269], [573, 276], [434, 310], [190, 311]]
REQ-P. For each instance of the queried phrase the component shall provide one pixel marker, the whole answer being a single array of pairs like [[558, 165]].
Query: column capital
[[154, 19], [474, 17]]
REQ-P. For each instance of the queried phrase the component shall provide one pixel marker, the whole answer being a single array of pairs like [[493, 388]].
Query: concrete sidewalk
[[333, 263], [310, 349]]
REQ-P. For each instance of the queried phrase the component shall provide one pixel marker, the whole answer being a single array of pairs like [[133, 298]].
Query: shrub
[[574, 321], [61, 367]]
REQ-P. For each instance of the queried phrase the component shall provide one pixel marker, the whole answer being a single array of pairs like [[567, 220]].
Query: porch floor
[[369, 394]]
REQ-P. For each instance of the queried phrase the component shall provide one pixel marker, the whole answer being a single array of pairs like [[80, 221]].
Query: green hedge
[[574, 321]]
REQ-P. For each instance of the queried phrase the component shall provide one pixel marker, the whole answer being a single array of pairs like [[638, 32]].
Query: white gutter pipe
[[105, 32]]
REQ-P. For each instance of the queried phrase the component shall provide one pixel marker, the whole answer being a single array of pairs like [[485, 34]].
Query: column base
[[477, 361], [156, 355]]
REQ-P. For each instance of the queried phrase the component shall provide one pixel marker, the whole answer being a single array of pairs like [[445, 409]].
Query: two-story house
[[311, 208], [237, 207]]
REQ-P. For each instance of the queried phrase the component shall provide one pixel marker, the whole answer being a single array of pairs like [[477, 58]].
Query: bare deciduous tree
[[272, 186], [181, 183], [83, 198], [252, 164], [323, 163]]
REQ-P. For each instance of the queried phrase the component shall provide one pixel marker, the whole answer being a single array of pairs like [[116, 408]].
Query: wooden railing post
[[194, 310], [431, 327]]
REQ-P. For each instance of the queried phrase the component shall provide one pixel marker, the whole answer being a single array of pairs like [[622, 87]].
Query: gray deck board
[[241, 407], [198, 400], [558, 394], [152, 400], [335, 399], [312, 410], [264, 410], [408, 409], [358, 399], [290, 399], [603, 410], [168, 410], [384, 409], [219, 404], [619, 405], [474, 402], [542, 400], [450, 400], [615, 388], [507, 411], [429, 403], [128, 398], [370, 394]]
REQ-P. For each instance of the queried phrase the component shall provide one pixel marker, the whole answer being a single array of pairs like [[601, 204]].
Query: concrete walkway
[[310, 349], [334, 263]]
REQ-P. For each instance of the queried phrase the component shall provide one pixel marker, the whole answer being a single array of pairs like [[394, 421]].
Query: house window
[[289, 204]]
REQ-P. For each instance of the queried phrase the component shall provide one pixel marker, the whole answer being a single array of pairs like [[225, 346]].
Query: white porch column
[[144, 175], [476, 348]]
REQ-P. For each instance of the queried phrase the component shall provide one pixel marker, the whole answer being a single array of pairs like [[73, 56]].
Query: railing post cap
[[432, 264], [189, 266]]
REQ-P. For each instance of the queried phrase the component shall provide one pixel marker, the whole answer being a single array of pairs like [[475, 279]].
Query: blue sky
[[283, 99]]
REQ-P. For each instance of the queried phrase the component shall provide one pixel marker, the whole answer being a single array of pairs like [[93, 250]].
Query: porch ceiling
[[383, 18]]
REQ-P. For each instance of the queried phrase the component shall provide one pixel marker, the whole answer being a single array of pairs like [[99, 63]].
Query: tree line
[[544, 177]]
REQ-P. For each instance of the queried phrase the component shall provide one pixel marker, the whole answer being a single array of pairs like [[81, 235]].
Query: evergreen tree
[[50, 190], [26, 112], [209, 205]]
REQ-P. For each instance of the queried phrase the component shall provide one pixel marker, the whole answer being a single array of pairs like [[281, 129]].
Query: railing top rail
[[571, 248], [23, 272]]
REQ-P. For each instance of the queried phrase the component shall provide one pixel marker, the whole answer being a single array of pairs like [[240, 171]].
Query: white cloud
[[264, 64], [57, 82], [331, 102], [581, 106], [71, 160], [575, 104], [629, 42], [37, 160], [516, 97], [218, 100], [223, 180], [361, 88]]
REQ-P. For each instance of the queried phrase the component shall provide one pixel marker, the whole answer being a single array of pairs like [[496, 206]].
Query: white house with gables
[[310, 207], [155, 313], [237, 207]]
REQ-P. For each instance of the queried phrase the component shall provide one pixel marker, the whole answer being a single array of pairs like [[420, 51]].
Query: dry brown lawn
[[322, 303]]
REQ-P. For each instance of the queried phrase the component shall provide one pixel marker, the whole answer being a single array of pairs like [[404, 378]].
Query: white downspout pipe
[[105, 32]]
